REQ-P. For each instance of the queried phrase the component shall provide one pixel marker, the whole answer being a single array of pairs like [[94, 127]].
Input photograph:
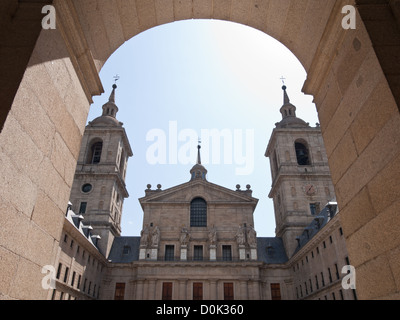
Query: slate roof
[[85, 230], [330, 211], [271, 250], [124, 250]]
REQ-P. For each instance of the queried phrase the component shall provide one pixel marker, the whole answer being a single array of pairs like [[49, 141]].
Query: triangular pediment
[[186, 192]]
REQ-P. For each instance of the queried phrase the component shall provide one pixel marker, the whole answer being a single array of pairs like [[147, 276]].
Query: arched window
[[302, 154], [94, 155], [198, 213]]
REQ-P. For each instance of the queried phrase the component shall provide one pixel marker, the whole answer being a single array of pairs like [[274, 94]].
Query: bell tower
[[301, 180], [99, 189]]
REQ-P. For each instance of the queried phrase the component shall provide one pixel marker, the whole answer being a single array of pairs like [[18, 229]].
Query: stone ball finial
[[248, 187], [149, 186], [238, 187], [159, 186]]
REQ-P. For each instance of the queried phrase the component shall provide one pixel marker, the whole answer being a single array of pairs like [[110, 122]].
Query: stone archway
[[352, 74]]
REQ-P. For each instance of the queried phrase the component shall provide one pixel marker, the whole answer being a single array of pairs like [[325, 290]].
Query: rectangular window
[[276, 291], [167, 291], [59, 271], [73, 278], [226, 253], [228, 291], [82, 208], [119, 291], [53, 296], [66, 274], [198, 291], [126, 250], [169, 253], [198, 253]]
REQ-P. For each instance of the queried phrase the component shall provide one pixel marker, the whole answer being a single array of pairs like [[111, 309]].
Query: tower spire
[[110, 108], [286, 99], [198, 171], [288, 109]]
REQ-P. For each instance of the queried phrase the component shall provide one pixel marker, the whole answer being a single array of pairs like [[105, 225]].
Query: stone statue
[[240, 237], [155, 236], [144, 236], [185, 237], [252, 237], [212, 235]]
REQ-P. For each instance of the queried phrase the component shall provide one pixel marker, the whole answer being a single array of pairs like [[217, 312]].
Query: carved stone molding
[[80, 54]]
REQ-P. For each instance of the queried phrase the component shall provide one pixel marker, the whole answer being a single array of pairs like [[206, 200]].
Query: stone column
[[139, 290], [131, 290], [151, 289], [182, 289], [244, 295], [254, 290], [213, 290]]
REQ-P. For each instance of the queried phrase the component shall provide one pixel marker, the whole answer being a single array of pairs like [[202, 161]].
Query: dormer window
[[126, 250]]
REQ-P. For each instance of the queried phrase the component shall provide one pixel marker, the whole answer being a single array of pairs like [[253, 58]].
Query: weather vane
[[283, 80], [116, 78]]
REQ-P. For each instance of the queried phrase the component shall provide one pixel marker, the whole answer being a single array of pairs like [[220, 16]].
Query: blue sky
[[187, 80]]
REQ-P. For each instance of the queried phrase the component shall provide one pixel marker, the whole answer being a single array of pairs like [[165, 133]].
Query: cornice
[[327, 50], [81, 57]]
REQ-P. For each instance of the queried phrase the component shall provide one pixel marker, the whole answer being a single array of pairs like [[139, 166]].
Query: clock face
[[310, 189]]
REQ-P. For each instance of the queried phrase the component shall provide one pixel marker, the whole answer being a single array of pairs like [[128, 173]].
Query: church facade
[[198, 239]]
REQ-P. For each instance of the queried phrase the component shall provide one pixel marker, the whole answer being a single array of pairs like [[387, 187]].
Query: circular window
[[87, 188]]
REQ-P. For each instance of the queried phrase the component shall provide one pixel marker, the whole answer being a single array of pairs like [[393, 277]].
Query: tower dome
[[288, 111], [198, 171]]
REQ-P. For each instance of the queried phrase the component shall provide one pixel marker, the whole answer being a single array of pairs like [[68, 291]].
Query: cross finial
[[198, 152]]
